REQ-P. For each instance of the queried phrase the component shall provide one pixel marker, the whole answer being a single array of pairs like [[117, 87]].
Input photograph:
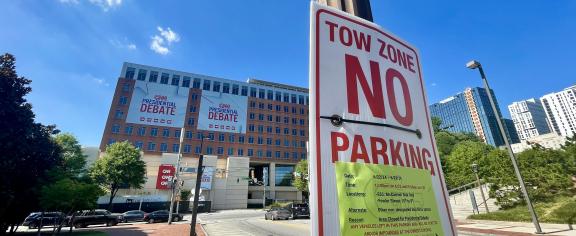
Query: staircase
[[461, 203]]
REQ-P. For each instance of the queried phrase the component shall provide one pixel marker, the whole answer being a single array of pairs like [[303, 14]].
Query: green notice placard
[[386, 200]]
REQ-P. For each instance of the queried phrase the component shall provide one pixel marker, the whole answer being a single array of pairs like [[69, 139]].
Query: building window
[[286, 155], [220, 150], [278, 119], [251, 127], [138, 144], [259, 153], [211, 136], [226, 88], [241, 139], [250, 152], [206, 85], [216, 87], [286, 120], [130, 73], [118, 114], [197, 150], [115, 129], [260, 129], [186, 82], [188, 134], [142, 74], [187, 148], [260, 140], [294, 132], [294, 121], [125, 87], [277, 154], [123, 100], [192, 108], [175, 148], [163, 147], [268, 141], [284, 175], [221, 137], [261, 93], [260, 105], [191, 121], [268, 129], [293, 100], [177, 133], [165, 133], [151, 146], [153, 76], [154, 132], [286, 97], [209, 150], [230, 151], [196, 83], [128, 130], [175, 80], [278, 96], [303, 144], [302, 133], [240, 152], [164, 78], [253, 92], [302, 112], [277, 130], [244, 91], [286, 131], [278, 142], [250, 139], [142, 131], [293, 110], [235, 89], [251, 116], [286, 109], [270, 95], [260, 116], [286, 143], [300, 99], [194, 97], [231, 138], [302, 122]]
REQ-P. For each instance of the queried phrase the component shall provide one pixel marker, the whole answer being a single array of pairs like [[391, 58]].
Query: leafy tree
[[301, 180], [121, 166], [567, 212], [68, 195], [27, 149], [73, 158], [461, 158]]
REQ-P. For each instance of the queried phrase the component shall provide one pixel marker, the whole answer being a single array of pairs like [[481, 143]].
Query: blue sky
[[73, 49]]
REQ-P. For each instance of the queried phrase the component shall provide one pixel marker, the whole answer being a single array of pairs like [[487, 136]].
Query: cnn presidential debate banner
[[222, 112], [158, 104]]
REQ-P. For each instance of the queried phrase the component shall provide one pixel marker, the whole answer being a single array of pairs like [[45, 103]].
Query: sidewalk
[[486, 227]]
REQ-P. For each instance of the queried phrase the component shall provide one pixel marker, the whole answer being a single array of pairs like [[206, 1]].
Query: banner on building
[[222, 112], [165, 175], [158, 104], [374, 169]]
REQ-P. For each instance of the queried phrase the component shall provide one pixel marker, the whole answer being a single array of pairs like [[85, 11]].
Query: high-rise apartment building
[[529, 118], [253, 133], [470, 111], [560, 109]]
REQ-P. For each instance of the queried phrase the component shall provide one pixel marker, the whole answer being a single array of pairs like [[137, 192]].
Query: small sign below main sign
[[374, 169]]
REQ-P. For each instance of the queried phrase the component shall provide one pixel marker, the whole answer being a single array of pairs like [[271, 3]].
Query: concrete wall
[[232, 192]]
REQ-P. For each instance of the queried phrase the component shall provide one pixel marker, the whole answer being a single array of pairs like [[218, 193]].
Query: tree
[[68, 195], [120, 167], [73, 158], [463, 155], [301, 177], [27, 149]]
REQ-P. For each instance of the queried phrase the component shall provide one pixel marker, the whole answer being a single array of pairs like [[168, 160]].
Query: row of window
[[154, 132], [216, 86], [277, 130], [277, 119], [174, 148], [278, 108]]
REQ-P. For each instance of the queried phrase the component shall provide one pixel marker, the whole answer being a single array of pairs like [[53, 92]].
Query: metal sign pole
[[197, 191]]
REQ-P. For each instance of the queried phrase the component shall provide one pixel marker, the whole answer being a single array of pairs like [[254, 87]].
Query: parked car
[[161, 215], [277, 213], [135, 215], [299, 210], [34, 220], [95, 217]]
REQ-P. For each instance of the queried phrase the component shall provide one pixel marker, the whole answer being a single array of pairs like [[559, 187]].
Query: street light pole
[[175, 184], [473, 65], [197, 190], [475, 170]]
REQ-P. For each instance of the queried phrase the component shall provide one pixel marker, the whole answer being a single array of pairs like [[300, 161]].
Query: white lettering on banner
[[368, 106]]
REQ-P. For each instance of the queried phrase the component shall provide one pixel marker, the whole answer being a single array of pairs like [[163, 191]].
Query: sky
[[73, 50]]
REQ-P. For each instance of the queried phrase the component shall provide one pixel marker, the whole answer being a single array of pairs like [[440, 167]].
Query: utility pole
[[360, 8], [175, 184], [197, 190]]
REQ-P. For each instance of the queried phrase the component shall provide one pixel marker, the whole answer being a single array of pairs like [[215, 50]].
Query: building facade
[[470, 111], [529, 118], [549, 140], [560, 109], [254, 131]]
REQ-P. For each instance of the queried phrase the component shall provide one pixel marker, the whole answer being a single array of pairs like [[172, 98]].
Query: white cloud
[[433, 84], [161, 42], [123, 44], [100, 82], [105, 4]]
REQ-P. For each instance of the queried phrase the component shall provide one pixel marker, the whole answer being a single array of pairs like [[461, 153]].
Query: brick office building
[[252, 128]]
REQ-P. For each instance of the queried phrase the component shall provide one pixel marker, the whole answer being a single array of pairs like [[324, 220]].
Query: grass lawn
[[521, 213]]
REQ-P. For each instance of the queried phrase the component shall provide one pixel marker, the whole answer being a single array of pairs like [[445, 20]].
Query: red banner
[[165, 175]]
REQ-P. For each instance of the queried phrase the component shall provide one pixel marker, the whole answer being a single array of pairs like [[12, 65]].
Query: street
[[250, 222]]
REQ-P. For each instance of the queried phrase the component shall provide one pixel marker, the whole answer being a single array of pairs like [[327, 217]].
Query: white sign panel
[[374, 168], [158, 104], [207, 175], [222, 112]]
